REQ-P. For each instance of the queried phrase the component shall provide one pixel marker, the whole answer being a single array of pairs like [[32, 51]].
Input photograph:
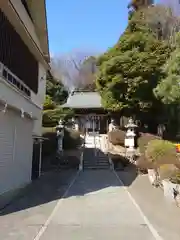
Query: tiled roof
[[83, 100]]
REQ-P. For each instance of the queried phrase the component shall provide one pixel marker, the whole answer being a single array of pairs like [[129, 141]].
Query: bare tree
[[74, 69], [163, 22], [173, 4]]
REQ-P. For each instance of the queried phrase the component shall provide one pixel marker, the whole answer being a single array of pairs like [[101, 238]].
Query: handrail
[[109, 158], [110, 162], [81, 158]]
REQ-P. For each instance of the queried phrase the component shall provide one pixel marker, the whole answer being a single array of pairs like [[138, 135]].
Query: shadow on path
[[48, 188], [52, 186]]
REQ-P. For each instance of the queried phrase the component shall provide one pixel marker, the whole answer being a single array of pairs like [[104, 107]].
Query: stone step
[[97, 164], [96, 167], [96, 161], [99, 167]]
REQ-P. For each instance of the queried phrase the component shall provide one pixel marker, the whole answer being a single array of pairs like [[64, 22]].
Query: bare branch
[[163, 22], [74, 70]]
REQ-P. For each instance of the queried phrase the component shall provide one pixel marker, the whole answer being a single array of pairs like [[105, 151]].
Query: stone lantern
[[112, 126], [75, 124], [130, 138], [60, 136]]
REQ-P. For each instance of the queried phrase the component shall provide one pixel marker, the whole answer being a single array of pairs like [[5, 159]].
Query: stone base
[[153, 177], [171, 191]]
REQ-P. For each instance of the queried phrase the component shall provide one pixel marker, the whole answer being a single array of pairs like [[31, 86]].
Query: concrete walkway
[[23, 219], [97, 207], [163, 215], [92, 205]]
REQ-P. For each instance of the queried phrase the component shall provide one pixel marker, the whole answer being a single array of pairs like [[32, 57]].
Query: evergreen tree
[[129, 71]]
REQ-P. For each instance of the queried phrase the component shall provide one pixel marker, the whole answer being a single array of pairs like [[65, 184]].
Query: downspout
[[40, 157], [14, 143]]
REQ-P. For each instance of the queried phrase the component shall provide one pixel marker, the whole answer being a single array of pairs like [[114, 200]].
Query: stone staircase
[[95, 160], [94, 157]]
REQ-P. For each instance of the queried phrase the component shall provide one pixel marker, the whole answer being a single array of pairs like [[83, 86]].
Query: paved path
[[95, 206], [23, 219], [164, 216]]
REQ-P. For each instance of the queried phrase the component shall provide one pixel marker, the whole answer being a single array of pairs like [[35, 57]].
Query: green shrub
[[161, 152], [52, 117], [176, 178], [117, 137], [72, 139], [167, 171], [144, 139], [48, 104]]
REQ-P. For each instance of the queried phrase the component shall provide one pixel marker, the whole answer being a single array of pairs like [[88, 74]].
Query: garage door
[[15, 150]]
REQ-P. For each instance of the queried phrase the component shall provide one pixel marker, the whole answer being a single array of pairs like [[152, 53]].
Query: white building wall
[[39, 98], [14, 98], [16, 128], [16, 150], [33, 105]]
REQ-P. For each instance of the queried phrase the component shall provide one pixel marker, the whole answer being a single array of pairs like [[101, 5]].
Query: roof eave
[[39, 16]]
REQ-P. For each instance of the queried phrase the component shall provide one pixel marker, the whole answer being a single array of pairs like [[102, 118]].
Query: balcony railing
[[9, 77]]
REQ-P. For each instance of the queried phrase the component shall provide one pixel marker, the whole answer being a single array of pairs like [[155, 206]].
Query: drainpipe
[[14, 143], [40, 156], [94, 135]]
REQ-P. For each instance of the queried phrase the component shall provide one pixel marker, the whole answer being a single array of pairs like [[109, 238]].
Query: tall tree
[[173, 4], [56, 90], [161, 20], [136, 5], [130, 70], [56, 95], [168, 90]]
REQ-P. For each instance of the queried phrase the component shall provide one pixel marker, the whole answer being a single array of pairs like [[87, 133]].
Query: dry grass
[[117, 137], [161, 152]]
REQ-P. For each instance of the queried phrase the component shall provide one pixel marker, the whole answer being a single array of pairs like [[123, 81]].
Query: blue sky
[[85, 25]]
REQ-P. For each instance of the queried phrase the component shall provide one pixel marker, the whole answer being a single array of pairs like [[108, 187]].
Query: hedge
[[72, 140], [117, 137], [52, 117]]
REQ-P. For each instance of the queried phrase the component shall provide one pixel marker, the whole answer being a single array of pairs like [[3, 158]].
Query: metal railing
[[108, 154], [81, 161], [12, 79]]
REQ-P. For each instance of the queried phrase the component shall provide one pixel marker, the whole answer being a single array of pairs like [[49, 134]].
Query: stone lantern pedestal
[[129, 141], [60, 136]]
